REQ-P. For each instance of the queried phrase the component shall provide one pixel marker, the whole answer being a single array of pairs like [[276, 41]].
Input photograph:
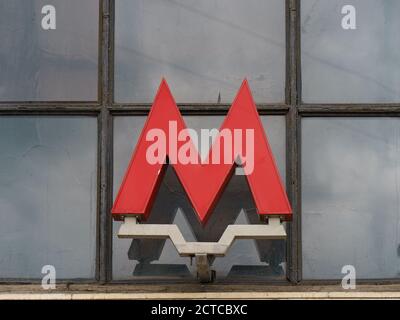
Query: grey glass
[[203, 48], [359, 65], [350, 197], [49, 65], [140, 259], [48, 187]]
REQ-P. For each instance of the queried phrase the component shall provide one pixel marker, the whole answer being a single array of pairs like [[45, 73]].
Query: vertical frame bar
[[104, 247], [292, 137]]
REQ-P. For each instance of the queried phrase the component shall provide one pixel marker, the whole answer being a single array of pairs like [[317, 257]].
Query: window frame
[[105, 109]]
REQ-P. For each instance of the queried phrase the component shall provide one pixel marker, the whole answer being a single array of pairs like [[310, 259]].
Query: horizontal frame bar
[[327, 109]]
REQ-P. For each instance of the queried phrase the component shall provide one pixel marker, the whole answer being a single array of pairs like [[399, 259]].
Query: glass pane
[[203, 48], [350, 202], [345, 65], [51, 55], [140, 259], [48, 183]]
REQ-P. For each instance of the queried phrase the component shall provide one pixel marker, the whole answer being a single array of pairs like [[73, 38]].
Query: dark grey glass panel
[[203, 48], [56, 64], [359, 65], [140, 259], [350, 197], [48, 183]]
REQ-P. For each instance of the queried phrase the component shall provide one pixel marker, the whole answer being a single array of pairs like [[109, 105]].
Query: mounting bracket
[[202, 251]]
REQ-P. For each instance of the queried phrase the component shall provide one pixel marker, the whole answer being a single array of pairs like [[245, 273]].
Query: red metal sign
[[203, 182]]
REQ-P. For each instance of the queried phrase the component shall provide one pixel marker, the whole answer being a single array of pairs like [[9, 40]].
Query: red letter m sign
[[202, 181]]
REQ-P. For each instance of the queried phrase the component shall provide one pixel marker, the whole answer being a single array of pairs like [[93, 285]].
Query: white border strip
[[200, 295]]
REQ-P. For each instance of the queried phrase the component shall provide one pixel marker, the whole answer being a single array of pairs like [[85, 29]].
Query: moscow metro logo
[[165, 140]]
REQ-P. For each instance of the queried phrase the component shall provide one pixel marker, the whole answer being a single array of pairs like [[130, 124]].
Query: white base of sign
[[202, 251]]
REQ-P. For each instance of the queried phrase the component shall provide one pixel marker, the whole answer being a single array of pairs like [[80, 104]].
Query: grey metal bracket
[[204, 272], [202, 251]]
